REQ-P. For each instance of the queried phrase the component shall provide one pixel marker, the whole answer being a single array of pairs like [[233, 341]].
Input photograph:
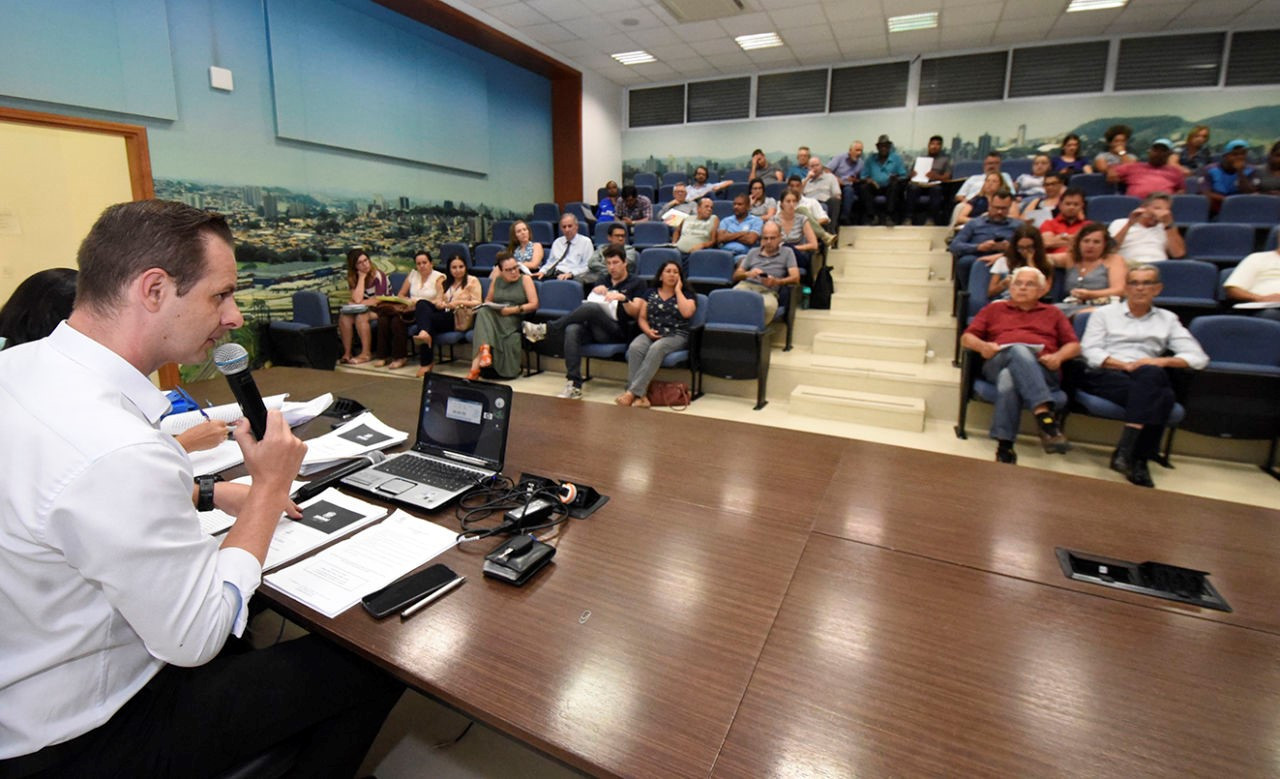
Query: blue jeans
[[645, 356], [1021, 382]]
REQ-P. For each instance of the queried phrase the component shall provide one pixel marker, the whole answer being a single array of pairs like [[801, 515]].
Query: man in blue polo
[[986, 235], [1230, 175], [739, 232], [884, 174]]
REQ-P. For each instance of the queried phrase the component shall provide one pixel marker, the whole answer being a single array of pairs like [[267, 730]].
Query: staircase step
[[868, 347], [933, 381], [939, 261], [876, 303], [938, 329], [867, 408], [881, 274], [895, 244], [939, 293]]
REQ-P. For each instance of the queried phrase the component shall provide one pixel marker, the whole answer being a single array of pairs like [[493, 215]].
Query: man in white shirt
[[110, 594], [570, 254], [700, 187], [1257, 280], [1124, 346], [1148, 234], [813, 210], [973, 184]]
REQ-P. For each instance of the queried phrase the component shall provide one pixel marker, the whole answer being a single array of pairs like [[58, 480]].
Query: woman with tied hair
[[664, 319], [795, 228], [1096, 274], [758, 203]]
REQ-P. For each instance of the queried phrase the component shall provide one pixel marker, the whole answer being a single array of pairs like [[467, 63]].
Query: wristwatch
[[205, 483]]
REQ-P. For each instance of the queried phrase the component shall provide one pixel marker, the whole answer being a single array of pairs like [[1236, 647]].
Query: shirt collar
[[1039, 305], [114, 369]]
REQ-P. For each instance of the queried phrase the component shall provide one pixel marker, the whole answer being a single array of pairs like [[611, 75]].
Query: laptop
[[462, 440]]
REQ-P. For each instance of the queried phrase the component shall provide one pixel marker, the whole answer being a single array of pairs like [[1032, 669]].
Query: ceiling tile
[[698, 31], [972, 14], [846, 11], [672, 51], [584, 29], [747, 24], [550, 33], [518, 15], [864, 47], [612, 44], [775, 57], [966, 37], [802, 36], [558, 10], [644, 19]]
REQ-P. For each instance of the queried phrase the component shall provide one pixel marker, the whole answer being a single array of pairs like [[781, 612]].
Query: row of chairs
[[1259, 212], [1236, 396]]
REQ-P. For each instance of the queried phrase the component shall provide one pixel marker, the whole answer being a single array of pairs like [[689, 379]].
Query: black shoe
[[1139, 474], [1122, 463], [1051, 437], [1006, 456]]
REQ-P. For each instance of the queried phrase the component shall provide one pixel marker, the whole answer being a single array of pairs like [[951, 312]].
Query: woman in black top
[[664, 328]]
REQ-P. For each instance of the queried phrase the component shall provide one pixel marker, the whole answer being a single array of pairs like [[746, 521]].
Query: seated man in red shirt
[[1157, 174], [1059, 231], [1024, 343]]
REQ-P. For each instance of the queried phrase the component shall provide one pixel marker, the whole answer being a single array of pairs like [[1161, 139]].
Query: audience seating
[[543, 232], [1190, 288], [673, 177], [1221, 244], [1092, 184], [774, 189], [500, 232], [733, 190], [395, 281], [602, 194], [453, 337], [447, 250], [1260, 212], [963, 170], [735, 340], [689, 356], [648, 191], [601, 234], [1190, 209], [666, 194], [1273, 239], [711, 268], [1105, 208], [647, 234], [1102, 408], [973, 385], [1238, 394], [557, 297], [722, 208], [583, 214], [1016, 167], [485, 257], [310, 338], [736, 175], [645, 179], [546, 212], [652, 258]]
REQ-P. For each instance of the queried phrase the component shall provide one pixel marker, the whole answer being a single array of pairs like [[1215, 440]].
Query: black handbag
[[821, 289]]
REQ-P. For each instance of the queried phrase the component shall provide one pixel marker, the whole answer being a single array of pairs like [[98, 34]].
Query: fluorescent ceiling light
[[633, 57], [1094, 5], [913, 22], [764, 40]]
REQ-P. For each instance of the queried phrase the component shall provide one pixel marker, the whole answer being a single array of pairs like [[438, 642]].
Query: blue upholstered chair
[[545, 212], [1190, 209], [485, 257], [673, 177], [652, 259], [1092, 184], [734, 340], [646, 179], [543, 232], [648, 234], [448, 250], [1260, 212], [500, 232], [1190, 288], [1221, 244], [309, 337], [711, 269]]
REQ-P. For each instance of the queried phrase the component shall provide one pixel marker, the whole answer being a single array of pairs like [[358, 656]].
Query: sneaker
[[535, 332], [570, 391], [1051, 437]]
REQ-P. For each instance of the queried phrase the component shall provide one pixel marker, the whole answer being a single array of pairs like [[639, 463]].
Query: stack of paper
[[364, 434], [227, 454], [337, 578]]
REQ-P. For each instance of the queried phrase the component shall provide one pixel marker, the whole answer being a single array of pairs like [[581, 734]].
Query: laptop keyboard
[[433, 472]]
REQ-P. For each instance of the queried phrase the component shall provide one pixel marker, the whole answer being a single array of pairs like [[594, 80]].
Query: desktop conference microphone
[[233, 361], [317, 486]]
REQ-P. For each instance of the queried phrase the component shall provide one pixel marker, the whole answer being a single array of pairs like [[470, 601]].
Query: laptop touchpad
[[396, 486]]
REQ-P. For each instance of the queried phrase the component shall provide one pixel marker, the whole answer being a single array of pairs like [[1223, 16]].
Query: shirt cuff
[[243, 573]]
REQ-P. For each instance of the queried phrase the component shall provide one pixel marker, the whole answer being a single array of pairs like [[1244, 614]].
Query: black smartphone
[[404, 592]]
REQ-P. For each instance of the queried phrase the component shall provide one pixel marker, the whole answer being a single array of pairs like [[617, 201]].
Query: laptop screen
[[463, 417]]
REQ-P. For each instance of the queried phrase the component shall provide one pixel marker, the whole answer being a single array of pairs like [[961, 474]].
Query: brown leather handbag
[[669, 393]]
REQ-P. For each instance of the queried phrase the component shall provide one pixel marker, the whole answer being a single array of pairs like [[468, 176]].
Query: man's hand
[[1144, 361], [275, 460], [1052, 362], [988, 349], [599, 289], [987, 246], [1137, 214], [565, 276]]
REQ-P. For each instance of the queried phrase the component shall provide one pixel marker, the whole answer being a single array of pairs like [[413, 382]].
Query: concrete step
[[865, 408], [939, 262], [937, 329], [878, 303], [867, 347], [893, 244], [881, 274], [933, 381], [939, 293], [851, 233]]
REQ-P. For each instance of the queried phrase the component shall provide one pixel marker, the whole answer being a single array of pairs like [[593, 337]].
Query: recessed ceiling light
[[633, 57], [913, 22], [1094, 5], [764, 40]]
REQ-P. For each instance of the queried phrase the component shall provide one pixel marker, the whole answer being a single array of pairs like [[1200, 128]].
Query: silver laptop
[[462, 441]]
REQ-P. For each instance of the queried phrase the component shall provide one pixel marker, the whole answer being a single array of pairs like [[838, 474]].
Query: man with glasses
[[1124, 346], [767, 268], [1024, 343], [986, 236]]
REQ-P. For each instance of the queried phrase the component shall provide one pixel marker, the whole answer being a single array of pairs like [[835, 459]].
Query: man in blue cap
[[1231, 175]]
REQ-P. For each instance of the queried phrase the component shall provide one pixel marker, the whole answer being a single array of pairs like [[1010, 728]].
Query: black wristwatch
[[205, 483]]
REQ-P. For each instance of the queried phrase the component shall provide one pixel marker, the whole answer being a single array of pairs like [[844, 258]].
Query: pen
[[187, 397], [435, 596]]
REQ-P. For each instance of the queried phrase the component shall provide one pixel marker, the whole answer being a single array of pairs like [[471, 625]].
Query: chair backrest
[[722, 208], [673, 177], [1241, 339], [736, 175], [1261, 211], [601, 195], [1223, 275], [1104, 208], [1188, 279], [446, 250], [579, 210], [546, 212], [713, 264], [646, 179], [311, 307], [979, 279], [486, 256], [967, 168], [735, 308], [650, 233], [1092, 184], [1219, 241], [733, 190], [652, 259], [699, 316], [601, 234], [1016, 168], [558, 296], [542, 232], [665, 195], [485, 281], [500, 232], [395, 281], [1080, 321], [1190, 209], [1273, 239], [774, 189], [646, 190]]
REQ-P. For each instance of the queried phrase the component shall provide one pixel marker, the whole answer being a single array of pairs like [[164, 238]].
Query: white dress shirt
[[816, 209], [570, 258], [1113, 331], [105, 575]]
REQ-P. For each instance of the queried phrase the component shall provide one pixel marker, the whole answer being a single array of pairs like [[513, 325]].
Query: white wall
[[601, 133]]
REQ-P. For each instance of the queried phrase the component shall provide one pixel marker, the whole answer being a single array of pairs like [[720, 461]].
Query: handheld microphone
[[233, 361], [317, 486]]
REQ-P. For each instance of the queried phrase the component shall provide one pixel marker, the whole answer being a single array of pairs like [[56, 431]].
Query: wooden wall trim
[[566, 82]]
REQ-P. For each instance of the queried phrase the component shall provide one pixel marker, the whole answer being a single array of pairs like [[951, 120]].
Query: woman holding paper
[[497, 338]]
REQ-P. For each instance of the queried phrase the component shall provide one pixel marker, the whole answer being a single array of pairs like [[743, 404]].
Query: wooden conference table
[[762, 602]]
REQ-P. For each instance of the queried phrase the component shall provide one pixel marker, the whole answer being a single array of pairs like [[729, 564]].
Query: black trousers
[[587, 323], [1147, 397], [195, 722], [432, 320], [893, 198]]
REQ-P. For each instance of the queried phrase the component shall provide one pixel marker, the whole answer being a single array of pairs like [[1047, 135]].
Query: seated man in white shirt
[[700, 188], [811, 209], [1148, 234], [570, 254], [973, 184], [1125, 346], [115, 604], [1257, 280]]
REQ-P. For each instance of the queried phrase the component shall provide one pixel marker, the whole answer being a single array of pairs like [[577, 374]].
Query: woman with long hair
[[451, 307], [1192, 155], [365, 283], [1096, 274], [758, 203], [527, 251], [1026, 247], [795, 228], [664, 328], [1068, 162], [977, 205]]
